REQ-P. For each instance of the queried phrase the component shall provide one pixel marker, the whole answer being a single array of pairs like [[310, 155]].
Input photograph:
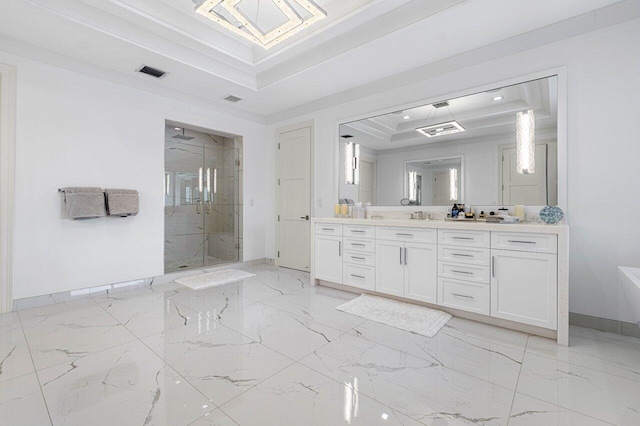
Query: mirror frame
[[562, 140]]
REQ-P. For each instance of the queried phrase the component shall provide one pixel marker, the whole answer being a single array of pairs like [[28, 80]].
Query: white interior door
[[294, 198], [365, 188], [530, 189], [442, 188]]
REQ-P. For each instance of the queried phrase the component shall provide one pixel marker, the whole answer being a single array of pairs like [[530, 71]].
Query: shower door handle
[[199, 207], [208, 204]]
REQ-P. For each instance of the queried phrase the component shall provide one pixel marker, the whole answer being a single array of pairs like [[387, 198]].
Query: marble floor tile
[[220, 362], [478, 330], [611, 358], [423, 390], [527, 411], [15, 359], [150, 314], [126, 385], [597, 394], [62, 308], [21, 402], [479, 358], [318, 308], [63, 337], [106, 297], [215, 418], [279, 330], [601, 336], [215, 301], [300, 396]]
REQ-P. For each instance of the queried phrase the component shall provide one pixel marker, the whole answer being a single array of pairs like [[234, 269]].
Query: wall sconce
[[526, 142], [453, 184], [352, 163]]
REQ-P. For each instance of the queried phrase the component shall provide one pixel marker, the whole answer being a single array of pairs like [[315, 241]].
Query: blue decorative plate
[[551, 214]]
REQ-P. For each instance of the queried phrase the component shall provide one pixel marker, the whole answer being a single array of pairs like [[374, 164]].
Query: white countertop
[[441, 224]]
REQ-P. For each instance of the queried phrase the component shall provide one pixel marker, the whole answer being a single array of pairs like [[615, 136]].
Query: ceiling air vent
[[153, 72], [232, 98], [441, 104]]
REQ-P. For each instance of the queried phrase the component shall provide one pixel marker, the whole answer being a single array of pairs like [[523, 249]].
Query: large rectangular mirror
[[497, 147]]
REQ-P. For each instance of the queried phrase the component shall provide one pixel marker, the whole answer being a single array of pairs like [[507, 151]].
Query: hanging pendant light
[[526, 142]]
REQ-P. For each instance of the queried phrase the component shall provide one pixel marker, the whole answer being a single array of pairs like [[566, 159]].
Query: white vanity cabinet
[[506, 273], [406, 263], [524, 279], [328, 252], [359, 258]]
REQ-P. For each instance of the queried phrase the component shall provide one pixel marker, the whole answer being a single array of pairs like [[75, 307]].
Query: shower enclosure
[[203, 207]]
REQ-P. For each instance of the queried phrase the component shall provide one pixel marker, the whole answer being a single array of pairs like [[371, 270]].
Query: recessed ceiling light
[[177, 128], [406, 117], [497, 98]]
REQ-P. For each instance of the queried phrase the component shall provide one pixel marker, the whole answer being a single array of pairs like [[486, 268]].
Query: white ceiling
[[479, 114], [360, 42]]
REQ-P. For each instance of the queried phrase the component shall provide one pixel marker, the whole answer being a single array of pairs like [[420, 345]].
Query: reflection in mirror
[[434, 182], [497, 147]]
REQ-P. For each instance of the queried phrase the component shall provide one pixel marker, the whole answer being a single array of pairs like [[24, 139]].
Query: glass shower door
[[184, 206]]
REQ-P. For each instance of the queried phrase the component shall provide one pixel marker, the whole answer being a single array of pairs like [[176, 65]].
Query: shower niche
[[203, 198]]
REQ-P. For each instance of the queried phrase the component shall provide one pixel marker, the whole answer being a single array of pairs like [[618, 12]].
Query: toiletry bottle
[[454, 211]]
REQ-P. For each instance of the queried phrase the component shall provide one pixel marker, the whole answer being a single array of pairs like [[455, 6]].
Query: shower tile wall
[[205, 234]]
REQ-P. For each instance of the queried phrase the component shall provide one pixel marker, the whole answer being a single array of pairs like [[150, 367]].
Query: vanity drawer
[[464, 295], [359, 231], [359, 276], [473, 256], [359, 258], [329, 229], [476, 273], [464, 238], [540, 243], [415, 235], [360, 245]]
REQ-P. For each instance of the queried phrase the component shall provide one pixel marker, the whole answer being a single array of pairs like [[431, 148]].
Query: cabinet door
[[420, 275], [328, 258], [524, 287], [390, 267]]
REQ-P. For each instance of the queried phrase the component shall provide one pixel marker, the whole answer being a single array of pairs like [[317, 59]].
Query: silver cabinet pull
[[461, 255], [358, 276], [462, 272], [404, 235], [493, 266], [464, 296], [357, 244], [358, 231], [328, 229], [358, 258], [339, 248], [462, 238], [405, 255], [199, 207], [522, 242], [400, 255]]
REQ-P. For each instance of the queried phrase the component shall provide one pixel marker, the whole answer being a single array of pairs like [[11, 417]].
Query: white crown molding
[[617, 13], [20, 49]]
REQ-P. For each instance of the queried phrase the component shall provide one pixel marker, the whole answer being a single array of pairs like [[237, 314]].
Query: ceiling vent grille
[[153, 72], [232, 98], [441, 104]]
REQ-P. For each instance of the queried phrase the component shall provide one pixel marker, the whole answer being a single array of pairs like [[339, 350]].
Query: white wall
[[74, 130], [603, 85]]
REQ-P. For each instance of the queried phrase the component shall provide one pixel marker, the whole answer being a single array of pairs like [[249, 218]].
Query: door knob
[[305, 217]]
